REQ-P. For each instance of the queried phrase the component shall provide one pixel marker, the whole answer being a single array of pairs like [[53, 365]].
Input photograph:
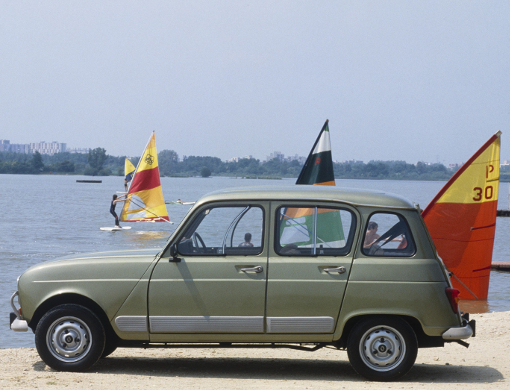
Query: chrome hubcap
[[69, 339], [382, 348]]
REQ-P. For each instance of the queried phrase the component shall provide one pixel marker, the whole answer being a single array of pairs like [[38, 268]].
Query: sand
[[483, 365]]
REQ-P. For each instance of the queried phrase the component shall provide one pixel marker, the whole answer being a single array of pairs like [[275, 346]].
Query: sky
[[398, 80]]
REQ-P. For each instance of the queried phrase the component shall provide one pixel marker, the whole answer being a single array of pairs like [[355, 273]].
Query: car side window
[[224, 230], [388, 235], [314, 231]]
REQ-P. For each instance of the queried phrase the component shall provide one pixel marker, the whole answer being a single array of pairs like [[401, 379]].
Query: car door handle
[[339, 270], [257, 269]]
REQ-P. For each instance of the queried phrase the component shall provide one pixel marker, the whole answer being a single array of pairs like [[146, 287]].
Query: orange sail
[[462, 220], [145, 202]]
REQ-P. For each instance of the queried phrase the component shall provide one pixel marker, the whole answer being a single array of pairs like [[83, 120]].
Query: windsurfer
[[116, 199]]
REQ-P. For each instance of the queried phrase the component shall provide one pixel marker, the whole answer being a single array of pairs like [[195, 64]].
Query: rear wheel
[[70, 338], [382, 348]]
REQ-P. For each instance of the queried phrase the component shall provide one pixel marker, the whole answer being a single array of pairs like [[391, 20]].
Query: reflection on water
[[150, 236], [474, 306]]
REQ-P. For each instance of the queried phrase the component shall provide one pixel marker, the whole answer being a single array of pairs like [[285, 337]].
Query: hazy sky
[[398, 80]]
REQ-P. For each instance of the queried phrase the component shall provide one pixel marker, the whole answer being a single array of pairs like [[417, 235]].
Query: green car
[[277, 266]]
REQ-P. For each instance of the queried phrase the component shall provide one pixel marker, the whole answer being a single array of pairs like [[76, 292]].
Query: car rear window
[[388, 235]]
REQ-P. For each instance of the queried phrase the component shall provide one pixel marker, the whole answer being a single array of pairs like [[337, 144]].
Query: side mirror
[[173, 254]]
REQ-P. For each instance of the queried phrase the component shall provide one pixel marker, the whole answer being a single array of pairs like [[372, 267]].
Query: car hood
[[99, 265], [111, 255]]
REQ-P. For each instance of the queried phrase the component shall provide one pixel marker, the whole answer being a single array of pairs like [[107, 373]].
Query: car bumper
[[18, 324], [461, 332]]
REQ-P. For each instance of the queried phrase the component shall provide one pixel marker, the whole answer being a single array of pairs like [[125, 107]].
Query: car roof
[[309, 192]]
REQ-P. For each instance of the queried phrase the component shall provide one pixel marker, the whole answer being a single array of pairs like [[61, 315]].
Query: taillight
[[453, 297]]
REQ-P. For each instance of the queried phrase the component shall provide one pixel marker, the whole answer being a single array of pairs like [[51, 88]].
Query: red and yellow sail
[[145, 202], [462, 220]]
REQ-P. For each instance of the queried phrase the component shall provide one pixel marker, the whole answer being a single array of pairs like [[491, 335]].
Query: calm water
[[44, 217]]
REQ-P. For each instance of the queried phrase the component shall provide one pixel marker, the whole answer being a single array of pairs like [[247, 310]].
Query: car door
[[309, 265], [218, 283]]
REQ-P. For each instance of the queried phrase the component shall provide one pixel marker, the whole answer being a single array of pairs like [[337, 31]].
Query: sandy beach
[[483, 365]]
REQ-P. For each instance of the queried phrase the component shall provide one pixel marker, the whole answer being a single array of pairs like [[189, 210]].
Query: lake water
[[44, 217]]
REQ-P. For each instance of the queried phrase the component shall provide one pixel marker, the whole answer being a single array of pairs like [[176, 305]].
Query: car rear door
[[308, 266]]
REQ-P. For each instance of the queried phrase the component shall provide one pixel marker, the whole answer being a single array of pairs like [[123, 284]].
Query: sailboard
[[297, 225], [145, 202], [115, 228], [461, 220], [178, 201]]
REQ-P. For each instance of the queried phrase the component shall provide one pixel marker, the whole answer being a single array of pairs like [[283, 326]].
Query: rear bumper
[[461, 332]]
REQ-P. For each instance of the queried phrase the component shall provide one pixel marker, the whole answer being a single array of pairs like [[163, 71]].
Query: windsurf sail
[[462, 220], [145, 202], [318, 168], [297, 225], [129, 170]]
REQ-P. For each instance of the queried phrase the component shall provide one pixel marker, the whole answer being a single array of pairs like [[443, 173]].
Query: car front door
[[217, 285]]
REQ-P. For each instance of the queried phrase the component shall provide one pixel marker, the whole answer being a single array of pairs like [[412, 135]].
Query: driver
[[247, 241]]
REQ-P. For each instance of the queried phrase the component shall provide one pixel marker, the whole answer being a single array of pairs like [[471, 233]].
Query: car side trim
[[206, 324], [300, 324], [131, 323]]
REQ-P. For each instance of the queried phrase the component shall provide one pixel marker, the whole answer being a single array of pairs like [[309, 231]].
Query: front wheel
[[70, 338], [382, 348]]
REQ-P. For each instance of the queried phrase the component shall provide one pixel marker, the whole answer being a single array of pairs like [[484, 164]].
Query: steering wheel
[[196, 239]]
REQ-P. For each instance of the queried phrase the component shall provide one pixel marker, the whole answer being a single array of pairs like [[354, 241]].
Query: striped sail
[[318, 168], [298, 224], [462, 220], [145, 202]]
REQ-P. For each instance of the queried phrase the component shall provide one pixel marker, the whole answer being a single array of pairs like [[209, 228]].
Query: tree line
[[98, 163]]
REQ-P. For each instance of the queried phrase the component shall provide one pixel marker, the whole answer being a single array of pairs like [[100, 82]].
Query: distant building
[[20, 148], [49, 148], [299, 159], [351, 162], [41, 147], [236, 159], [78, 150], [278, 155], [4, 145]]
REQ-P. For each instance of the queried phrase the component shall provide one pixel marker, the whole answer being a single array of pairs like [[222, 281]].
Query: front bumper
[[18, 324]]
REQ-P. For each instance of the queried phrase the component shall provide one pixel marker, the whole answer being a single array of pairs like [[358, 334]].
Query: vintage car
[[276, 266]]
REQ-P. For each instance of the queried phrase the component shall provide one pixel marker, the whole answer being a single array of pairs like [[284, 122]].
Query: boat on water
[[144, 200]]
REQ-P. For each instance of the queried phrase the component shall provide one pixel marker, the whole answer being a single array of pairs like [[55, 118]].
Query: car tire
[[70, 338], [110, 344], [382, 348]]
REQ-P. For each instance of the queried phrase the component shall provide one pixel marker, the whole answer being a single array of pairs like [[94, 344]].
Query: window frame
[[231, 251], [389, 255], [341, 252]]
